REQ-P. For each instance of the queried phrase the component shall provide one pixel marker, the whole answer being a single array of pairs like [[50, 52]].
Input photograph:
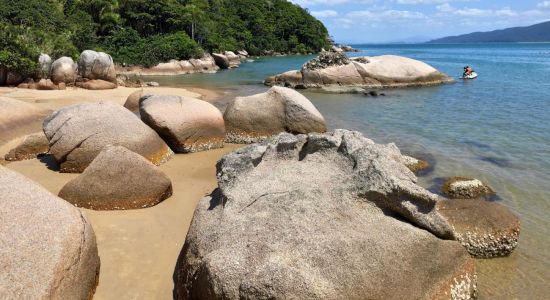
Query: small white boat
[[472, 75]]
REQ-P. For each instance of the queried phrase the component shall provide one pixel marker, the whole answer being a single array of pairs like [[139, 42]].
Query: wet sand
[[138, 248]]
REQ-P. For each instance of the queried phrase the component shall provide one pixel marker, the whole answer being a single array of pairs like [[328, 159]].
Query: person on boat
[[467, 71]]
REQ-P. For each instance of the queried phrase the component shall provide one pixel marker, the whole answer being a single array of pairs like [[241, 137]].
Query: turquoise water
[[496, 128]]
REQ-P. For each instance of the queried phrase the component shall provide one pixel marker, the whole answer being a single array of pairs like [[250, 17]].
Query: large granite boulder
[[77, 134], [486, 229], [18, 118], [186, 124], [97, 65], [323, 216], [132, 102], [118, 179], [257, 117], [47, 246], [221, 60], [335, 69], [31, 146], [45, 63], [64, 69]]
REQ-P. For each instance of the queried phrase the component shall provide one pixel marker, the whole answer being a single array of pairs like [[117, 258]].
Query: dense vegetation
[[146, 32], [534, 33]]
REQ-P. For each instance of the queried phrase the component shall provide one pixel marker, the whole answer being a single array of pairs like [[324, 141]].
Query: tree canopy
[[147, 32]]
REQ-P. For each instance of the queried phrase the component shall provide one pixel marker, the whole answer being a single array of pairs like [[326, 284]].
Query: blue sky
[[375, 21]]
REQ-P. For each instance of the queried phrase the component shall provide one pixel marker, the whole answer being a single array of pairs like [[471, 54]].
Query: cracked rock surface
[[186, 124], [258, 117], [47, 247], [320, 216], [118, 179], [77, 134]]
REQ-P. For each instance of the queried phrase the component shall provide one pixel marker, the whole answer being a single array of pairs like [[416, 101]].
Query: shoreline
[[130, 241]]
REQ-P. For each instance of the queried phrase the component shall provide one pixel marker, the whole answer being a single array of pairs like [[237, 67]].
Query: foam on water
[[495, 128]]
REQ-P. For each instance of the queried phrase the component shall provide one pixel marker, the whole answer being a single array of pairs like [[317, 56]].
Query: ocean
[[495, 128]]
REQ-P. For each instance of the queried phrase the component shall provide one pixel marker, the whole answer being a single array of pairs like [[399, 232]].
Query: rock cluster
[[257, 117], [118, 179], [186, 124], [227, 60], [333, 71], [206, 64], [97, 65], [48, 248], [322, 216], [327, 59], [77, 134], [64, 69]]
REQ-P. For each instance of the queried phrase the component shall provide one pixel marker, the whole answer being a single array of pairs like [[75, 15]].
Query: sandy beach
[[138, 248]]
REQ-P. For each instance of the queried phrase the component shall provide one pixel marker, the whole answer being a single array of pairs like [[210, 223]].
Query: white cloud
[[329, 2], [544, 4], [325, 13]]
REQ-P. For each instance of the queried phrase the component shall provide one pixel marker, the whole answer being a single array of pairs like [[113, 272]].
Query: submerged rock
[[257, 117], [77, 134], [335, 69], [486, 229], [186, 124], [466, 188], [118, 179], [32, 146], [48, 247], [315, 217]]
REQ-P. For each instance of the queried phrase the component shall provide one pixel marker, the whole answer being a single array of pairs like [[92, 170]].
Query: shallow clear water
[[496, 128]]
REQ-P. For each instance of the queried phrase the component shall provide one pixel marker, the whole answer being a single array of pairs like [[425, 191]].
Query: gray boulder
[[320, 217], [64, 69], [257, 117], [47, 246], [221, 60], [29, 148], [13, 78], [186, 124], [77, 134], [45, 62], [97, 65], [118, 179]]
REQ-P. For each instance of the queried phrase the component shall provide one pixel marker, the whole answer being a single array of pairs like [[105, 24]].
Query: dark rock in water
[[372, 93], [118, 179], [152, 83], [77, 134], [29, 148], [486, 229], [48, 247], [466, 188], [314, 217]]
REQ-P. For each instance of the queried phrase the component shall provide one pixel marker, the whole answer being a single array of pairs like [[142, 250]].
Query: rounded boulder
[[97, 65], [77, 134], [64, 69], [48, 247], [257, 117], [186, 124], [118, 179]]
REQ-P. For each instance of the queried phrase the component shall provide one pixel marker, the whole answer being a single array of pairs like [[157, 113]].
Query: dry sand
[[138, 248]]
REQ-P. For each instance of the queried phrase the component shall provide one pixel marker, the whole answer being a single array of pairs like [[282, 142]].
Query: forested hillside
[[534, 33], [146, 32]]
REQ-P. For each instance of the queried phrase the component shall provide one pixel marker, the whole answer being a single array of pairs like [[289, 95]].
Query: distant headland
[[534, 33]]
